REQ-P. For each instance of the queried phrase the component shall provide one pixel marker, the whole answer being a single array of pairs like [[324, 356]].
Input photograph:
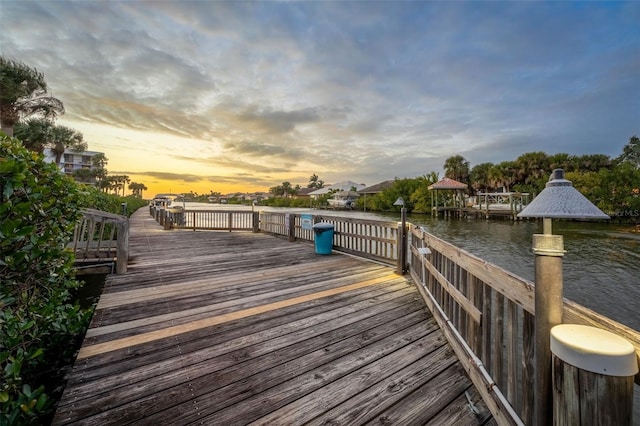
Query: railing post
[[230, 221], [593, 373], [292, 227], [256, 221], [548, 249], [402, 243], [122, 246]]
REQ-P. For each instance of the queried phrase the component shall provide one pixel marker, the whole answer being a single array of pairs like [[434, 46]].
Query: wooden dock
[[222, 328]]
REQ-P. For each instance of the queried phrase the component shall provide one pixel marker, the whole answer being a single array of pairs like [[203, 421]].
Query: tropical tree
[[561, 161], [115, 183], [37, 134], [457, 168], [23, 93], [315, 182], [479, 177], [503, 175], [420, 199], [593, 162], [530, 167], [137, 189], [84, 176], [99, 164], [631, 152], [287, 189]]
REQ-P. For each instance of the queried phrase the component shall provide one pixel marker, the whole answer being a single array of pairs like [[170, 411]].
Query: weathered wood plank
[[294, 315], [230, 328], [402, 397], [328, 387], [277, 337]]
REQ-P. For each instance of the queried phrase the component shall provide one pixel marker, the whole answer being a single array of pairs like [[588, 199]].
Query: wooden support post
[[256, 222], [292, 227], [122, 246], [548, 251], [593, 373], [402, 243]]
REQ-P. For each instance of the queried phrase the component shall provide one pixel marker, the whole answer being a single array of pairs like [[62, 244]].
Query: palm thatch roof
[[447, 183]]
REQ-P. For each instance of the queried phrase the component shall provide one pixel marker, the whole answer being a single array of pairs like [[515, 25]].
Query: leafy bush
[[91, 197], [38, 323]]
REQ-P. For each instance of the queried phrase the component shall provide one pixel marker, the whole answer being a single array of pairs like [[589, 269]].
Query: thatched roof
[[446, 183]]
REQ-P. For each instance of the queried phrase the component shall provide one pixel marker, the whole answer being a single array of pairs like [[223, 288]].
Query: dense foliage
[[611, 184], [40, 325], [91, 197], [38, 321], [23, 93]]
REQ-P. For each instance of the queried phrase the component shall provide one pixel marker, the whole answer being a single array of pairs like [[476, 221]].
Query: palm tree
[[99, 164], [503, 175], [531, 167], [286, 188], [137, 189], [457, 168], [593, 162], [561, 161], [480, 178], [631, 152], [315, 182], [23, 93], [37, 134]]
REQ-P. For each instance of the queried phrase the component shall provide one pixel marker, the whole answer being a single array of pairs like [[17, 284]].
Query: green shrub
[[93, 198], [39, 325]]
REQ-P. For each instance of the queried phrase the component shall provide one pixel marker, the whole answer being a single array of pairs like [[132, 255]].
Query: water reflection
[[601, 266]]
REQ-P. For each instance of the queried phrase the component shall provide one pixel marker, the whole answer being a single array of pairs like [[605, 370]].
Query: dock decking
[[227, 328]]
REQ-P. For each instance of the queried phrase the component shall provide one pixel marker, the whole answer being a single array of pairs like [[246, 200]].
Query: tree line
[[613, 184]]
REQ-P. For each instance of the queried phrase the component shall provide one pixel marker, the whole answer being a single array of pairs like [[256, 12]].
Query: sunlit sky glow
[[241, 96]]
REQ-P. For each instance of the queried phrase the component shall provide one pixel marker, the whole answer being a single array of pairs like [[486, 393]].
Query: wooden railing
[[371, 239], [102, 236], [211, 220], [486, 312], [487, 315]]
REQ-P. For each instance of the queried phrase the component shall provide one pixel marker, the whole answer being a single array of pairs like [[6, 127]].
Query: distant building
[[340, 186], [71, 160], [377, 188], [304, 192]]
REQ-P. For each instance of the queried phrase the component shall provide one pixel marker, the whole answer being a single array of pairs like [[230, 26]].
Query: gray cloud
[[364, 91]]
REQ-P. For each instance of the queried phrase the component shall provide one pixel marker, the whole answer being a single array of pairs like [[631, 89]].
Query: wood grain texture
[[234, 328]]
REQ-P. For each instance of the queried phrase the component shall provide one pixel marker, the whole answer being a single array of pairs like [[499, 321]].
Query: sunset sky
[[241, 96]]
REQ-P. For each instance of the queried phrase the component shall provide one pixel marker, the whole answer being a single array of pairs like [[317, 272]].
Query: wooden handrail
[[486, 312], [488, 315], [102, 235]]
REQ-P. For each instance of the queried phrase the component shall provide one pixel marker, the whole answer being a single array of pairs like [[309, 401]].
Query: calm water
[[601, 267]]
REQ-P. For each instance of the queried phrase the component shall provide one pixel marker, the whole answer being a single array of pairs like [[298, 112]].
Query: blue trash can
[[324, 237]]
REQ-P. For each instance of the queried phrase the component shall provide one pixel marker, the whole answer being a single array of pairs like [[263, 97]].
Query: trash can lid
[[323, 225], [593, 349]]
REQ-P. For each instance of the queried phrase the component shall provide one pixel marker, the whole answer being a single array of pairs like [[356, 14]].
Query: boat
[[165, 200], [343, 200]]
